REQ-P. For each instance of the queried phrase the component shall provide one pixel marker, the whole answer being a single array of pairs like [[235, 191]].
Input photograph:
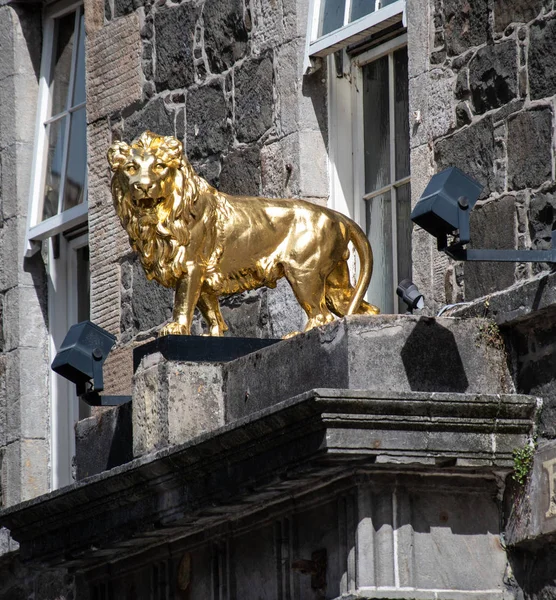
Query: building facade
[[351, 104]]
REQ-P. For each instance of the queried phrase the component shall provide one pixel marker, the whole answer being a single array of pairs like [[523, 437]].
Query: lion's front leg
[[187, 295]]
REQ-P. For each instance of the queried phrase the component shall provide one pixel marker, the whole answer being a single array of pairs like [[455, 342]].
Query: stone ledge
[[264, 458], [532, 517], [532, 299]]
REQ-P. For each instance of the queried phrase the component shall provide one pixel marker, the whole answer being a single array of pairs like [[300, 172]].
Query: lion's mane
[[160, 235]]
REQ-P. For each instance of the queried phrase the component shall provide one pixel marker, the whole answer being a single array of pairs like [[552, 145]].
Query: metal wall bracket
[[316, 567], [458, 252]]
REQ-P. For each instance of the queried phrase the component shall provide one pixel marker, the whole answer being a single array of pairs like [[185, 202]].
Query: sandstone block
[[390, 352], [114, 55], [174, 402], [103, 441]]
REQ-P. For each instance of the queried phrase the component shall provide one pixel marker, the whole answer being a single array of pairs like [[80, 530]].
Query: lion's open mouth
[[146, 203]]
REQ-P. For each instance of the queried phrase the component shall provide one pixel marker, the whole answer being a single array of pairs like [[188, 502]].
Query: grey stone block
[[150, 303], [376, 353], [542, 62], [225, 33], [529, 148], [466, 24], [155, 116], [493, 76], [103, 441], [532, 519], [174, 45], [542, 206], [124, 7], [208, 121], [472, 150], [253, 99], [515, 11], [493, 225], [241, 172], [174, 402]]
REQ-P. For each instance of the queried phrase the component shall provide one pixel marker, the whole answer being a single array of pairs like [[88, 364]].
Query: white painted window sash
[[62, 285], [36, 228], [361, 197], [351, 32]]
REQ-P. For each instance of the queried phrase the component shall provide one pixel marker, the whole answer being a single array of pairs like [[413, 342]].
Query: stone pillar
[[174, 402], [24, 407]]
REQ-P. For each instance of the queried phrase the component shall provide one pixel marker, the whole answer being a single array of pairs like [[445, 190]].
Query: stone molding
[[265, 458]]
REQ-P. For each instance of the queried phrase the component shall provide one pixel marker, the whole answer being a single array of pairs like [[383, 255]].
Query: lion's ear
[[173, 147], [118, 154]]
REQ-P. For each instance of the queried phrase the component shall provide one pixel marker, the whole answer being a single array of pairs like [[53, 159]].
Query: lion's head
[[154, 189]]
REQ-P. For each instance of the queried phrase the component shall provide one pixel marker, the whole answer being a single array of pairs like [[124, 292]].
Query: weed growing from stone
[[523, 462]]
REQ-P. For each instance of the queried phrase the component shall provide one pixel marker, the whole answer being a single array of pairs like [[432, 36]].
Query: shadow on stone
[[121, 450], [432, 360]]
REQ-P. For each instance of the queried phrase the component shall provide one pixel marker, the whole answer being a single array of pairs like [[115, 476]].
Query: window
[[336, 24], [369, 114], [58, 208], [58, 187], [383, 167]]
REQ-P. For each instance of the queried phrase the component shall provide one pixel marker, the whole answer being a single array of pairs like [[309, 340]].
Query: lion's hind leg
[[210, 309], [339, 292], [308, 288]]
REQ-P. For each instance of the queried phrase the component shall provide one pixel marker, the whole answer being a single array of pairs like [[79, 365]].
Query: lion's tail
[[363, 248]]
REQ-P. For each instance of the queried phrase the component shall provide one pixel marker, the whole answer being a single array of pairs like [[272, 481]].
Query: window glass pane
[[404, 227], [401, 112], [331, 15], [79, 91], [77, 160], [61, 62], [55, 135], [376, 124], [379, 232], [384, 3], [360, 8]]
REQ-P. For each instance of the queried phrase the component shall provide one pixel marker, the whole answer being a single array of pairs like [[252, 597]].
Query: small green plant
[[489, 333], [523, 462]]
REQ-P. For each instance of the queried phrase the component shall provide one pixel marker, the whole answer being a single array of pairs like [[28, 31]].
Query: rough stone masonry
[[225, 77]]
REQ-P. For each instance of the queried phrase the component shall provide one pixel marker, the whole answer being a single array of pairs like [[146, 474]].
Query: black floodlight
[[443, 210], [80, 360], [444, 206], [409, 293]]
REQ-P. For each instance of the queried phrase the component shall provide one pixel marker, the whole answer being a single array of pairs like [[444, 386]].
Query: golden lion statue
[[207, 244]]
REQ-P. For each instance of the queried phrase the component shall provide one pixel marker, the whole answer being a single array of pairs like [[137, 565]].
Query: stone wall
[[24, 406], [484, 80], [225, 77]]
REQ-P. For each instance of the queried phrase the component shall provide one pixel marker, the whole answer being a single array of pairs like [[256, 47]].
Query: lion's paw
[[174, 328], [291, 334]]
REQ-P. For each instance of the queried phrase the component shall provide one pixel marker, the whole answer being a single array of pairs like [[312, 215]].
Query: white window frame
[[386, 49], [62, 313], [346, 143], [350, 33], [37, 229]]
